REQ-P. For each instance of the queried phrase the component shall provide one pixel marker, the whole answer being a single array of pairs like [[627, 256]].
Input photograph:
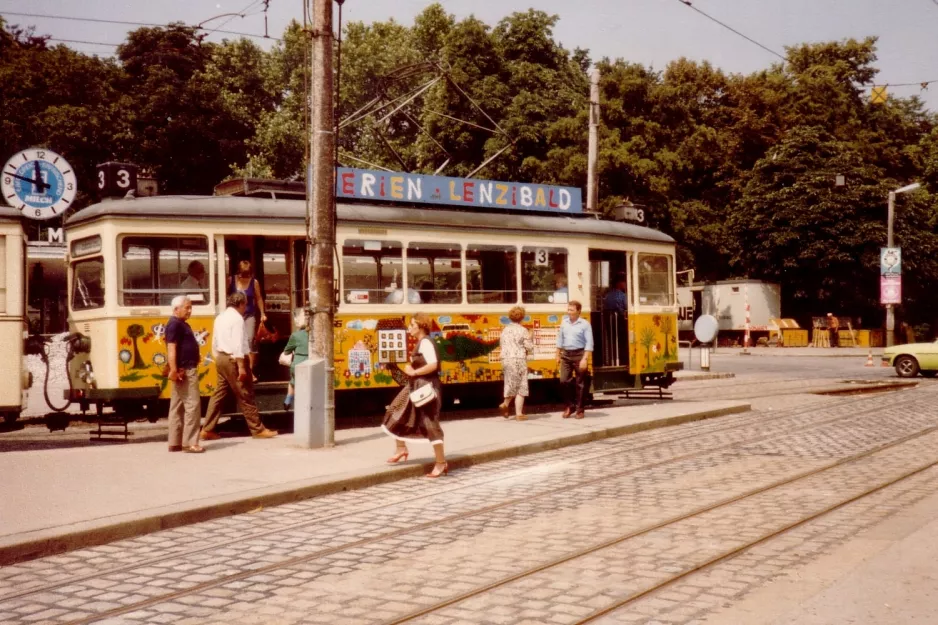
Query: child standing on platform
[[298, 345]]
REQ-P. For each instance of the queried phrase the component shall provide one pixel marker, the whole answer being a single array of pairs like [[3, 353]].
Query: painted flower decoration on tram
[[125, 354], [444, 319], [159, 330], [201, 336], [553, 319], [159, 359]]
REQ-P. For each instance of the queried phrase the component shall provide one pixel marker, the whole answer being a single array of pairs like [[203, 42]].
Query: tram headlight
[[79, 343]]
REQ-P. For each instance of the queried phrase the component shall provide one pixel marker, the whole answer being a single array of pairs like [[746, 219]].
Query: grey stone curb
[[30, 545], [703, 375]]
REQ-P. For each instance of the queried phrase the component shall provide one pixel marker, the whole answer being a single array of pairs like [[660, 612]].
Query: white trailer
[[726, 300]]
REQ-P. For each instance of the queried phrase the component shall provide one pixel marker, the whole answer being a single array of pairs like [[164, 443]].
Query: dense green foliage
[[741, 169]]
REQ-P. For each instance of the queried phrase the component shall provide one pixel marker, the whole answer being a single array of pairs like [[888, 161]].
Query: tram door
[[609, 290], [270, 263]]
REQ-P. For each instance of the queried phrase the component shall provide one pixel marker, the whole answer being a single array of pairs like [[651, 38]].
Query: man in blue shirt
[[574, 344]]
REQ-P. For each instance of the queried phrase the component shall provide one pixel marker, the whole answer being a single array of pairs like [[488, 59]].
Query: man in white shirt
[[233, 374]]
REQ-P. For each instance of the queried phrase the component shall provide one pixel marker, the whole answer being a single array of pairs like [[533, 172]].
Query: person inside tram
[[196, 278], [397, 297], [561, 292], [244, 282], [426, 292], [616, 299]]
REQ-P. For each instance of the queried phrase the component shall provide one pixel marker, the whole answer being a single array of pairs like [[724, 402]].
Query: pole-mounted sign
[[890, 275]]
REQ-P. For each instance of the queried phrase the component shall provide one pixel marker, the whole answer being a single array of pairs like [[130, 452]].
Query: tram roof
[[253, 209]]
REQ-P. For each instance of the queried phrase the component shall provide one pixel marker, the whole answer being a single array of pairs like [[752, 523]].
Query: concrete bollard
[[310, 429]]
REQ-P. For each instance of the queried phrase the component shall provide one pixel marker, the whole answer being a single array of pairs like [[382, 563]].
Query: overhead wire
[[922, 84], [731, 29], [242, 13], [124, 23]]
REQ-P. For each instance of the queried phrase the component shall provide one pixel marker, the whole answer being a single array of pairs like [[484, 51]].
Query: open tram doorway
[[609, 303], [271, 265]]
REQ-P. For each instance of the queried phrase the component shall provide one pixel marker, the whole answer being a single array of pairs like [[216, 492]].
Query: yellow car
[[912, 359]]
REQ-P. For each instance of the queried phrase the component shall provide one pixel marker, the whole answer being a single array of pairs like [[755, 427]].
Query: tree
[[188, 116], [135, 331], [60, 99]]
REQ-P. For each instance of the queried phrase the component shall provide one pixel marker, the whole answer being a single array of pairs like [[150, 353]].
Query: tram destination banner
[[367, 184]]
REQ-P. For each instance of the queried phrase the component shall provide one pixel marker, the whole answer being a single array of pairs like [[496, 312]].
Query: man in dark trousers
[[574, 345], [183, 355], [234, 375]]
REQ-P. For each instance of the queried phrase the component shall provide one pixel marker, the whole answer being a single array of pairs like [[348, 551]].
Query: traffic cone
[[869, 359]]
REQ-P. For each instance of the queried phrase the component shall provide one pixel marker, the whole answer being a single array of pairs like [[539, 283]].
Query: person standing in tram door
[[515, 343], [183, 356], [245, 282], [615, 309], [233, 375], [615, 299], [414, 415], [574, 345]]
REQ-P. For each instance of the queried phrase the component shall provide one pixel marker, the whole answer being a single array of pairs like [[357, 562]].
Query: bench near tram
[[129, 257]]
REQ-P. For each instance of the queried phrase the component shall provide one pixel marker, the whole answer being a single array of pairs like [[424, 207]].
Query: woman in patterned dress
[[406, 422], [515, 343]]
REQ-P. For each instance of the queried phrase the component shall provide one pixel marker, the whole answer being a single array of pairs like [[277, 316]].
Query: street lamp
[[890, 311]]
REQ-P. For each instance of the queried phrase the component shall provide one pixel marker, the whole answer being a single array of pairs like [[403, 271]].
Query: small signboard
[[366, 184], [890, 261], [890, 289]]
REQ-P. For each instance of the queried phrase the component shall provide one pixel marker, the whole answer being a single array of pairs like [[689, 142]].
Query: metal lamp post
[[890, 309]]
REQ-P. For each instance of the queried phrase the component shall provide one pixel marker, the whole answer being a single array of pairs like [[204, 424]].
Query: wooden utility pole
[[592, 179], [320, 207]]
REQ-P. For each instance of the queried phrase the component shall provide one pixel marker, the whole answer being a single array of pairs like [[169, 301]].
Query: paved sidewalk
[[60, 499]]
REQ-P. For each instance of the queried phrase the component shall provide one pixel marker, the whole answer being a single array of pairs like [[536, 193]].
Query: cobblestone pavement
[[377, 555]]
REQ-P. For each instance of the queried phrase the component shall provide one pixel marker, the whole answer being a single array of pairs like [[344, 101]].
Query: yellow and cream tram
[[128, 258], [14, 378]]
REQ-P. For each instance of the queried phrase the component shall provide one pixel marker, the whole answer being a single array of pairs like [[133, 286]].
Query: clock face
[[40, 183]]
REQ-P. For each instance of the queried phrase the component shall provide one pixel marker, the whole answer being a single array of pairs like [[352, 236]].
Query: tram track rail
[[291, 562], [476, 592], [742, 421]]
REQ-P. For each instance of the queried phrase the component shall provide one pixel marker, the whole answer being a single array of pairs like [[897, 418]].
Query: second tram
[[14, 378]]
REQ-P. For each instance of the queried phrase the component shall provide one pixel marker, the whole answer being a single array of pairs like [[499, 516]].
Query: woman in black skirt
[[405, 421]]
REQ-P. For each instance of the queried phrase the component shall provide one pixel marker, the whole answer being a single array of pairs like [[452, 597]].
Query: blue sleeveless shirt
[[251, 309]]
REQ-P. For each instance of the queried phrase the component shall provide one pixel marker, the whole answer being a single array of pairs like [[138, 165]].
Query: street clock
[[39, 183]]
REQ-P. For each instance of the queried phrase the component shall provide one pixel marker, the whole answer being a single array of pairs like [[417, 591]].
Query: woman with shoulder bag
[[295, 352], [415, 412]]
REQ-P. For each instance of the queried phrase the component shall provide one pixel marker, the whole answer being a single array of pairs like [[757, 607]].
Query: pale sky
[[651, 32]]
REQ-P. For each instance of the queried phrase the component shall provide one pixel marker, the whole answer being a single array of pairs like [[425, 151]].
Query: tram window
[[3, 273], [654, 280], [491, 274], [372, 272], [154, 270], [88, 284], [434, 271], [543, 275]]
